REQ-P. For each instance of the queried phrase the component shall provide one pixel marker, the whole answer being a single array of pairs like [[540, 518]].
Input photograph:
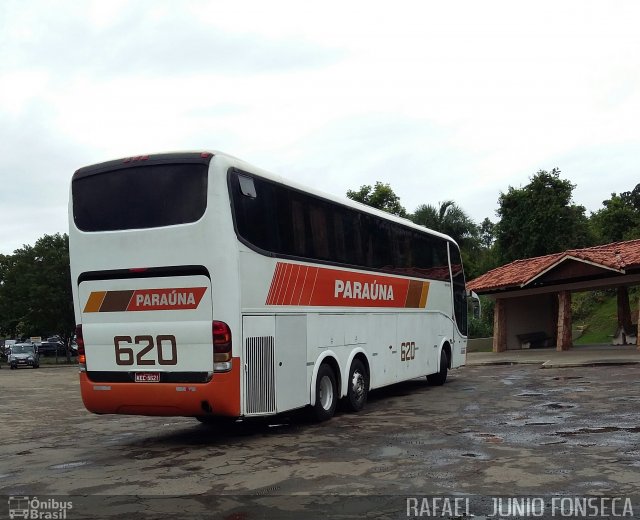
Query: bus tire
[[357, 387], [439, 378], [326, 394]]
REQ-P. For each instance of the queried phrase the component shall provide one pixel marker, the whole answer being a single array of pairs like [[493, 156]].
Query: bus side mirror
[[475, 307]]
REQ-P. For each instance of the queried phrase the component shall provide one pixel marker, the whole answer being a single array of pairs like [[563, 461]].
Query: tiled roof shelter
[[535, 293]]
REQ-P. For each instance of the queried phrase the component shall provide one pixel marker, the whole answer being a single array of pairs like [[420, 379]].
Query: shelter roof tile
[[618, 255]]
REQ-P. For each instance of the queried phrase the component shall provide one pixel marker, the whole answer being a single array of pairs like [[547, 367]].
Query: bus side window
[[299, 231], [319, 232], [247, 187]]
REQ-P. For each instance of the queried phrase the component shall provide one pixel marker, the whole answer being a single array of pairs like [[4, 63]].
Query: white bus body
[[206, 287]]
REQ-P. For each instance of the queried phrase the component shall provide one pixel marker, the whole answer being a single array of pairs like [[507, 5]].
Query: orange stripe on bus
[[277, 282], [95, 301], [424, 295], [274, 282], [282, 286], [290, 291]]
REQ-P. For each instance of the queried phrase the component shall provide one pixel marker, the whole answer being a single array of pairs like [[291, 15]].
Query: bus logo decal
[[145, 300], [294, 284]]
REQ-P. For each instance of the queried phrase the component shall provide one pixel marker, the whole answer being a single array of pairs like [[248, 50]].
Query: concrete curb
[[588, 363], [555, 363]]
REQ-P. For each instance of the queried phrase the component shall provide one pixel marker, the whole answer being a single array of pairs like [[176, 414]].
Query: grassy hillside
[[598, 312]]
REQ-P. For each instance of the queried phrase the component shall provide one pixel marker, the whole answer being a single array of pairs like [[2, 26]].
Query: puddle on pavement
[[601, 429], [392, 451], [472, 455], [70, 465], [529, 394], [490, 437], [558, 406]]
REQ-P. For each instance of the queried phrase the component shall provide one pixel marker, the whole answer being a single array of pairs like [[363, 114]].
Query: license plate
[[147, 377]]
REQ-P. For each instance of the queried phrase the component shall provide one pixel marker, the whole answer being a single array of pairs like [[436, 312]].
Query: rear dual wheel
[[358, 389], [327, 391], [326, 394]]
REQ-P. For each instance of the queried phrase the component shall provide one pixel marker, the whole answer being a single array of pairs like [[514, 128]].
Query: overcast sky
[[443, 100]]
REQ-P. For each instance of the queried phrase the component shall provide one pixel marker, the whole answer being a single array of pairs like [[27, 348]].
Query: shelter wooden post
[[564, 338], [499, 326], [638, 335], [624, 309]]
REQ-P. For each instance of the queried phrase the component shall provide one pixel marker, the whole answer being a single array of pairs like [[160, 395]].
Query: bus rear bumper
[[221, 396]]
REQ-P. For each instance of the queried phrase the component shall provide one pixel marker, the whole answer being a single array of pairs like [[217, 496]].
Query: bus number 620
[[408, 351], [165, 346]]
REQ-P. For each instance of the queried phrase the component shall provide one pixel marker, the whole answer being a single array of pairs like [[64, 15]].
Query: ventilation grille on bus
[[260, 388]]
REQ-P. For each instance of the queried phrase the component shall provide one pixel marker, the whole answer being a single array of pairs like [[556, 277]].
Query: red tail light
[[82, 359], [221, 347]]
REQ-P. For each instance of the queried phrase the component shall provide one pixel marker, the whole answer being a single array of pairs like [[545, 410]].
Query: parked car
[[23, 355], [50, 348]]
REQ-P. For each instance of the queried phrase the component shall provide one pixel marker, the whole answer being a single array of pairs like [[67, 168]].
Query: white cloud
[[443, 100]]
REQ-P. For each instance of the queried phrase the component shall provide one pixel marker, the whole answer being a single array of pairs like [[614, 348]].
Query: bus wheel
[[358, 388], [326, 394], [440, 377]]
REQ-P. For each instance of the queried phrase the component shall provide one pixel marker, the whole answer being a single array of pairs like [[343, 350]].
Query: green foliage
[[600, 321], [583, 304], [479, 328], [535, 220], [487, 232], [476, 242], [540, 219], [619, 219], [35, 289], [449, 219], [482, 327], [597, 313], [381, 196]]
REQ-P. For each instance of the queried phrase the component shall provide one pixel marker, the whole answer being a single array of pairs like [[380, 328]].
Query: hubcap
[[357, 385], [326, 393]]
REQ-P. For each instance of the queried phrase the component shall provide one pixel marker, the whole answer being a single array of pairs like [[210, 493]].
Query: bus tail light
[[82, 359], [221, 347]]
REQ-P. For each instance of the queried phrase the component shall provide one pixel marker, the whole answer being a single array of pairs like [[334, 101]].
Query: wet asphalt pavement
[[491, 430]]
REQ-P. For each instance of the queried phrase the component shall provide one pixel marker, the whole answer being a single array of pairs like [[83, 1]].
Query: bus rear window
[[140, 197]]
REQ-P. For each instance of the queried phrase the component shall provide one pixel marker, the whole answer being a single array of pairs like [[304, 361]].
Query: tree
[[619, 219], [476, 242], [540, 219], [449, 219], [35, 289], [381, 196], [487, 233]]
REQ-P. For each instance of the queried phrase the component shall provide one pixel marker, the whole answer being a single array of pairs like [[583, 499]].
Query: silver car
[[23, 355]]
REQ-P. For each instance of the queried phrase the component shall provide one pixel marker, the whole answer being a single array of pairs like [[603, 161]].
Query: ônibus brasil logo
[[35, 508]]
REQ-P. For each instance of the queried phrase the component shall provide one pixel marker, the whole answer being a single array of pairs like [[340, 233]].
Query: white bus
[[206, 287]]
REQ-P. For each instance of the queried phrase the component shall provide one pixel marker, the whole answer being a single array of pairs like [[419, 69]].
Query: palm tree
[[448, 218]]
